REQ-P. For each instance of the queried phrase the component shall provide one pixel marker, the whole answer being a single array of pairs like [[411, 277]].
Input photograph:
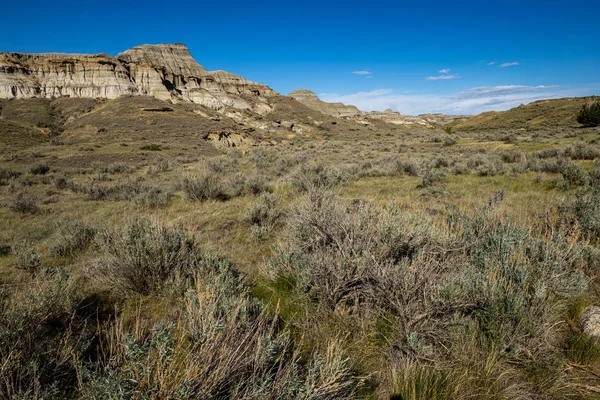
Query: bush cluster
[[204, 187], [484, 279], [589, 115]]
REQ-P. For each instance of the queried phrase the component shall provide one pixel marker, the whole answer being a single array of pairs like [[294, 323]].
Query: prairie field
[[139, 260]]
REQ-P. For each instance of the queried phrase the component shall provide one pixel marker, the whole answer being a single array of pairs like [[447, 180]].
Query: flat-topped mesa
[[165, 71]]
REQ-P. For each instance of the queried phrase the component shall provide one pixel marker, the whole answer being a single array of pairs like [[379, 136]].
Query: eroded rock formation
[[165, 71], [339, 110], [311, 100]]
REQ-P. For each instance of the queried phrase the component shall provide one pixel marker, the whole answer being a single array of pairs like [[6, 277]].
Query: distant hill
[[540, 114], [350, 112]]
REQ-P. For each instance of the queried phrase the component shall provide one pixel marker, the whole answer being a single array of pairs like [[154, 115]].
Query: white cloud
[[363, 72], [491, 63], [369, 77], [509, 64], [442, 77], [444, 71], [469, 101]]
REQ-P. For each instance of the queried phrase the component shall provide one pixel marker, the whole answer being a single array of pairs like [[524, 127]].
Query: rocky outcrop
[[165, 71], [443, 119], [339, 110], [223, 139], [590, 321], [395, 118]]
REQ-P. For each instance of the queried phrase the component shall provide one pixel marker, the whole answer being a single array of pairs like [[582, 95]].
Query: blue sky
[[413, 57]]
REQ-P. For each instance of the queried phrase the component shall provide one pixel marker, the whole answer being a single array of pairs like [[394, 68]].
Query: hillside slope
[[542, 114]]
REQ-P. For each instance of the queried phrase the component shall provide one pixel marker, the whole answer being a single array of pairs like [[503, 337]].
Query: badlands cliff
[[165, 71]]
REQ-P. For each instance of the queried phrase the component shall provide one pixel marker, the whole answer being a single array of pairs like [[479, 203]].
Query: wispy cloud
[[509, 64], [442, 77], [363, 72], [469, 101], [369, 77], [444, 71], [491, 63]]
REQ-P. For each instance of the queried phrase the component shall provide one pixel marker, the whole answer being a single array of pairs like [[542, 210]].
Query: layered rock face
[[76, 75], [165, 71]]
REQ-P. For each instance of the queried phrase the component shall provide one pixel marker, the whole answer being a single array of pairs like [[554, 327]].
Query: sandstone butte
[[165, 71]]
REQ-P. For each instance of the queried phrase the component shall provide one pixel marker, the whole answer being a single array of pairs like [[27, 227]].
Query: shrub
[[28, 259], [158, 167], [120, 191], [318, 176], [115, 168], [381, 273], [408, 167], [460, 169], [61, 182], [475, 161], [287, 161], [224, 344], [216, 165], [223, 347], [337, 252], [511, 156], [440, 162], [585, 209], [39, 169], [264, 215], [38, 346], [143, 257], [548, 153], [594, 174], [6, 175], [151, 147], [573, 174], [432, 177], [70, 237], [262, 157], [507, 312], [582, 151], [250, 186], [152, 198], [24, 203], [491, 167], [204, 187], [589, 115]]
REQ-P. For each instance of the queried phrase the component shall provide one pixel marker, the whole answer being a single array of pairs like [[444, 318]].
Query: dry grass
[[353, 262]]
